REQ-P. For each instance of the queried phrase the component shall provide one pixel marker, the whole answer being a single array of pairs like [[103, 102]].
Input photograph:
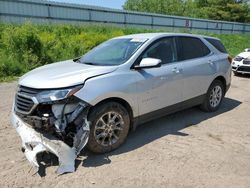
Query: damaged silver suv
[[96, 99]]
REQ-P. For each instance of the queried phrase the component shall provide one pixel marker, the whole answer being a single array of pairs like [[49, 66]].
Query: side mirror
[[148, 63], [247, 50]]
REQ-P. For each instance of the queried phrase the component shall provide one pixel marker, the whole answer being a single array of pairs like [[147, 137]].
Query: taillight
[[230, 59]]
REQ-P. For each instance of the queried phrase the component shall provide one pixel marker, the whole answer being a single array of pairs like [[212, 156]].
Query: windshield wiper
[[97, 64], [77, 59], [89, 63]]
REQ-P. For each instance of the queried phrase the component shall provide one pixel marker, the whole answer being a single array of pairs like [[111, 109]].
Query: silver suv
[[96, 99]]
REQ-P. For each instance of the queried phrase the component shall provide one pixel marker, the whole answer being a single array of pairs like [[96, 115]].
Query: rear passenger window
[[217, 44], [190, 48]]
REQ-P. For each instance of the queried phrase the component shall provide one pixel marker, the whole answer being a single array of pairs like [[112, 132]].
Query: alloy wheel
[[108, 128], [215, 96]]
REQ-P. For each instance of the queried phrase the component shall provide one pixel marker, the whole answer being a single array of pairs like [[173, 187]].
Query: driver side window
[[164, 50]]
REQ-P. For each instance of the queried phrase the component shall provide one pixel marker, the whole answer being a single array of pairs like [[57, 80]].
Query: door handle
[[163, 78], [176, 70], [210, 62]]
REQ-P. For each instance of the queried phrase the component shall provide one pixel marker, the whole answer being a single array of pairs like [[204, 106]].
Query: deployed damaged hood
[[62, 74]]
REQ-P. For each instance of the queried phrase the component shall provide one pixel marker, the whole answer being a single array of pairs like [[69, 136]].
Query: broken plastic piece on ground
[[34, 143]]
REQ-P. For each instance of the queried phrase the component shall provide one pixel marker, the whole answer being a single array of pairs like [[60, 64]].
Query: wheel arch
[[223, 80], [121, 101]]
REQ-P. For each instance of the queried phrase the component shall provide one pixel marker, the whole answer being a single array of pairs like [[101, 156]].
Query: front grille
[[24, 102], [27, 91], [246, 62], [244, 69]]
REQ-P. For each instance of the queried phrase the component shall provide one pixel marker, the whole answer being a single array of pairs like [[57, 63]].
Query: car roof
[[159, 35]]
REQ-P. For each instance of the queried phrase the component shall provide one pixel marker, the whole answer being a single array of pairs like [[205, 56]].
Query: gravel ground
[[187, 149]]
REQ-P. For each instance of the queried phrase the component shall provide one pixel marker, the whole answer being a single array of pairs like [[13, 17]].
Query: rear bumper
[[34, 142]]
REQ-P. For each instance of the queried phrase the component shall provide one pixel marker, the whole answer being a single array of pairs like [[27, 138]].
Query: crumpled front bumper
[[34, 142]]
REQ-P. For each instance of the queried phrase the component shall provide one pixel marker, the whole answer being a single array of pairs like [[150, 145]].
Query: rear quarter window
[[190, 48], [217, 44]]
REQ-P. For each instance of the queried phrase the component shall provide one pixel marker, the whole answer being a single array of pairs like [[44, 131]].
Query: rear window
[[217, 44], [191, 48]]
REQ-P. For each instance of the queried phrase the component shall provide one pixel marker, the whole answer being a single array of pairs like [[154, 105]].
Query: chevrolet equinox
[[94, 100]]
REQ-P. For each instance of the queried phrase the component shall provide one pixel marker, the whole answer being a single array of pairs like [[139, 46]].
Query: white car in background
[[241, 63]]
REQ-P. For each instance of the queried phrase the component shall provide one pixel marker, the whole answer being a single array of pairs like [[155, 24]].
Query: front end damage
[[50, 123]]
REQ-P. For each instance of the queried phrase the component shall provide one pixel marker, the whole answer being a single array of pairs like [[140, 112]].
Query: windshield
[[112, 52]]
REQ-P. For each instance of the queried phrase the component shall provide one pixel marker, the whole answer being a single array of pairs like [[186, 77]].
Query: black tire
[[206, 105], [236, 73], [95, 118]]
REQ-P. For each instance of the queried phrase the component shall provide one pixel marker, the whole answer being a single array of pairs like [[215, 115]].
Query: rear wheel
[[214, 96], [109, 127]]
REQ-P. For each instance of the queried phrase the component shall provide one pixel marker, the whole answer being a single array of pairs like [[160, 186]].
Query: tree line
[[227, 10]]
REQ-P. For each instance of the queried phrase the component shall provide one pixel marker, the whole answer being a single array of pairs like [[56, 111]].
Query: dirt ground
[[187, 149]]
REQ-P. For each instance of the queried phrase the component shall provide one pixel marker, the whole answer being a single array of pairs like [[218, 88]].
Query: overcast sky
[[117, 4]]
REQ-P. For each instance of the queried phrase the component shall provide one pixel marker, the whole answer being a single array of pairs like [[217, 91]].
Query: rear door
[[198, 66]]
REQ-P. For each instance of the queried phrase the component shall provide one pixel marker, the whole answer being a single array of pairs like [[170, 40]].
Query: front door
[[160, 87]]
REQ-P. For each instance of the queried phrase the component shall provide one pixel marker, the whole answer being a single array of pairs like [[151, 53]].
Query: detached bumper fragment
[[34, 143]]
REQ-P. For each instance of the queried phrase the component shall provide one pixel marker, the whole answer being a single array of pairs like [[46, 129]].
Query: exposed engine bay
[[58, 125]]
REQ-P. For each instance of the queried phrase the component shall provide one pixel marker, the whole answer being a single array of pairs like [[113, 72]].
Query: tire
[[236, 73], [104, 121], [209, 104]]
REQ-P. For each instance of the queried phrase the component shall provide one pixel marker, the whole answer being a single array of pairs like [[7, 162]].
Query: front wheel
[[236, 73], [109, 127], [214, 97]]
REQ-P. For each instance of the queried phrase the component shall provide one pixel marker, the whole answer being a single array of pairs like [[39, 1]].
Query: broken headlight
[[55, 95]]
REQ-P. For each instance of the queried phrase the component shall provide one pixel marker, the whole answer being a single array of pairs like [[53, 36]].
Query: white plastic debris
[[34, 143]]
